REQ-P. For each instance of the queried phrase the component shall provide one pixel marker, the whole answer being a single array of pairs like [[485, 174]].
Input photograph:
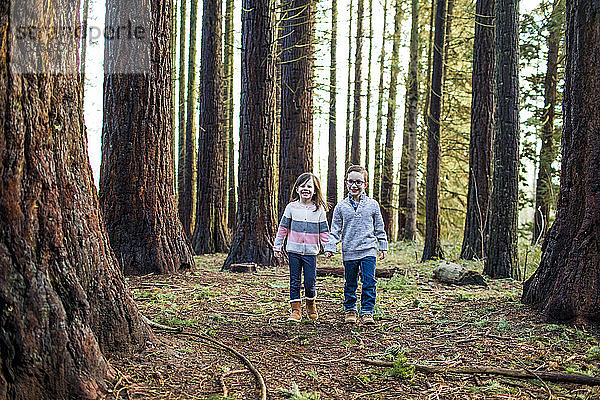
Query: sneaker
[[367, 319], [350, 317]]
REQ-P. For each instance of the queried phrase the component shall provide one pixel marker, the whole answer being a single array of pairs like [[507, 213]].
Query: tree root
[[520, 374], [255, 372]]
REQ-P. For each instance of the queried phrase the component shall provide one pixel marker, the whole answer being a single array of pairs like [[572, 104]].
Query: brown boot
[[296, 314], [311, 309]]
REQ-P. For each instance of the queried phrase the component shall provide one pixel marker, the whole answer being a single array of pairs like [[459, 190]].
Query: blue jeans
[[308, 264], [366, 267]]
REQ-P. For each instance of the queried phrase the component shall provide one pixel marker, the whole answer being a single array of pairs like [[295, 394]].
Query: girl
[[305, 226]]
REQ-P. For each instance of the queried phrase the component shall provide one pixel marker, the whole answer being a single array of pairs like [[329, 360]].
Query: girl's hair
[[317, 198]]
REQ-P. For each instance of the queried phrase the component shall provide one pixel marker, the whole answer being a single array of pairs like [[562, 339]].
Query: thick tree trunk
[[210, 229], [296, 144], [412, 111], [347, 159], [181, 111], [369, 91], [256, 217], [482, 131], [332, 197], [187, 197], [566, 286], [543, 192], [62, 297], [387, 178], [355, 152], [432, 248], [427, 103], [501, 249], [136, 175], [229, 47], [379, 123]]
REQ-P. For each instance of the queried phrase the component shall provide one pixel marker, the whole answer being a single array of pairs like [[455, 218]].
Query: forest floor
[[428, 322]]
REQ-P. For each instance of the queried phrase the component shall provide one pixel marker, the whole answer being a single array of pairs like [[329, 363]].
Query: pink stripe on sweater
[[303, 238], [282, 232]]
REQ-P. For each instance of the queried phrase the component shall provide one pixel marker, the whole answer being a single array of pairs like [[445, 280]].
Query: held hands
[[382, 254], [328, 254], [277, 254]]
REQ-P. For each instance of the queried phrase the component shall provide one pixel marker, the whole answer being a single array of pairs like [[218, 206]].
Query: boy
[[358, 219]]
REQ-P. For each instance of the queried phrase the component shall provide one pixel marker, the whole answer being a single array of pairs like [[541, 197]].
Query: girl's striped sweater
[[304, 228]]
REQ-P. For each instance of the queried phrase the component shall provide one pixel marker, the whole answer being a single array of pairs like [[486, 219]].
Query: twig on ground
[[466, 340], [538, 377], [318, 362], [550, 376], [258, 376]]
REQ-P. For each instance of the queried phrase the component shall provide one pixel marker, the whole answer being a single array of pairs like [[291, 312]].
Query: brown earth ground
[[430, 323]]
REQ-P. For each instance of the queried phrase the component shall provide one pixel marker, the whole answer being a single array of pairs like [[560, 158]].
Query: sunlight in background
[[94, 81]]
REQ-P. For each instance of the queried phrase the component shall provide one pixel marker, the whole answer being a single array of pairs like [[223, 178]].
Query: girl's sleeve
[[323, 227], [284, 229], [336, 230]]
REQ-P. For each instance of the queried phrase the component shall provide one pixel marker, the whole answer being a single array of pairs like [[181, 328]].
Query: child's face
[[356, 183], [306, 190]]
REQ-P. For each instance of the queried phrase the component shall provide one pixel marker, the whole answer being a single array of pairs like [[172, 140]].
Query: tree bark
[[369, 91], [181, 111], [355, 152], [501, 250], [347, 160], [379, 126], [432, 248], [136, 175], [256, 217], [332, 196], [482, 131], [387, 178], [412, 99], [566, 286], [296, 143], [543, 192], [210, 232], [229, 48], [62, 296], [187, 198]]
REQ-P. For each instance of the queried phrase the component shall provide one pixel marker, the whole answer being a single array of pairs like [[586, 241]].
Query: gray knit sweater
[[361, 230]]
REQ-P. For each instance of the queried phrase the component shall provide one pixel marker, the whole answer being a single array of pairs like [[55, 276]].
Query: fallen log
[[512, 373], [339, 272]]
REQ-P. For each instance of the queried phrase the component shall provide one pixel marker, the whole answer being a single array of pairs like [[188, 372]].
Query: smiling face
[[355, 181], [306, 191]]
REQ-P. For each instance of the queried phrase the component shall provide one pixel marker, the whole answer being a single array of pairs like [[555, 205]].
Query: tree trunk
[[173, 88], [256, 217], [84, 28], [482, 131], [427, 103], [387, 178], [62, 297], [355, 152], [136, 175], [332, 196], [566, 286], [296, 143], [347, 160], [229, 48], [368, 110], [412, 99], [379, 126], [187, 198], [181, 111], [403, 176], [432, 248], [501, 259], [210, 232], [543, 192]]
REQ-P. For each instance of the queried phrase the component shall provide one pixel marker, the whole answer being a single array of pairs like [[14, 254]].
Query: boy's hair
[[317, 199], [358, 168]]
